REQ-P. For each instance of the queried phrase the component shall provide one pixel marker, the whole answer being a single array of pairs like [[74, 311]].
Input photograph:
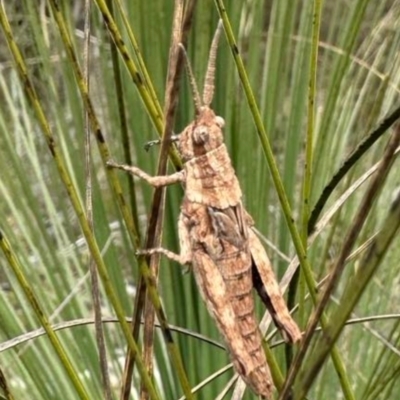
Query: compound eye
[[220, 121], [200, 135]]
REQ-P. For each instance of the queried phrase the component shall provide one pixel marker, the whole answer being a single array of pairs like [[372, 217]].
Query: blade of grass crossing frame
[[307, 179], [123, 126], [348, 163], [95, 289], [139, 57], [155, 226]]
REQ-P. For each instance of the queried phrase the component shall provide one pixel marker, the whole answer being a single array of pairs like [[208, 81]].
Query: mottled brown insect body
[[216, 228], [216, 238]]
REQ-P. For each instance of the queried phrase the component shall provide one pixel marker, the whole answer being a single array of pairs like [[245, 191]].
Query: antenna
[[208, 92], [195, 90]]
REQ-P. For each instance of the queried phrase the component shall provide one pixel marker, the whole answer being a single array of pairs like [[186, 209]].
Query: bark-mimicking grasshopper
[[217, 240]]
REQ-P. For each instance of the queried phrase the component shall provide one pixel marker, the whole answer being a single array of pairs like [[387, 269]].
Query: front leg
[[185, 257], [156, 181], [167, 253]]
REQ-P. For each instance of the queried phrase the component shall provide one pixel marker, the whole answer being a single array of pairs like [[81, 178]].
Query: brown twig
[[154, 230]]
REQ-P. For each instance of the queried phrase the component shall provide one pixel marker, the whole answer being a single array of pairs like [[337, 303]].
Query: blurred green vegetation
[[357, 88]]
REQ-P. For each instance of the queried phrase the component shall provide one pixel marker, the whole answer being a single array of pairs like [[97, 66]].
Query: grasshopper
[[216, 239]]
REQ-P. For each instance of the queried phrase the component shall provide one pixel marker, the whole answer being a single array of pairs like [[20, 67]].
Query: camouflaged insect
[[216, 239]]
